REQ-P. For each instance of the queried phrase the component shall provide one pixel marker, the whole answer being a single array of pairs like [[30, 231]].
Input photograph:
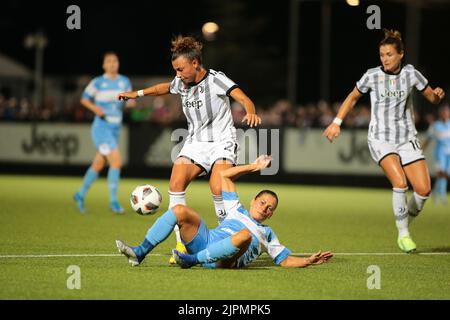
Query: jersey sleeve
[[91, 90], [419, 81], [275, 249], [363, 85], [224, 85], [175, 86], [230, 201]]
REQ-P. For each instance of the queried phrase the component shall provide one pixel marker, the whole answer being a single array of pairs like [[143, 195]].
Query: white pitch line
[[158, 254]]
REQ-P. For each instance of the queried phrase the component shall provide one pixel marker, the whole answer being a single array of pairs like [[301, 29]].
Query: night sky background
[[251, 46]]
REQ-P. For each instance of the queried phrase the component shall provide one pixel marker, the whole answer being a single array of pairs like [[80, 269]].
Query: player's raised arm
[[251, 117], [334, 129], [299, 262], [435, 95], [233, 173], [156, 90]]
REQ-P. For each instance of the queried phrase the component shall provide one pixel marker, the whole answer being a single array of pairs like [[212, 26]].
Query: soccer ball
[[145, 199]]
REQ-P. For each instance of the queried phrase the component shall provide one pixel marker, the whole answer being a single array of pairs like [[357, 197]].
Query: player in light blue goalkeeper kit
[[440, 131], [101, 97], [240, 239]]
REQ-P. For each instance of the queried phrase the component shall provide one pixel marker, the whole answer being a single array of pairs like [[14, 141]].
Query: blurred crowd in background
[[166, 111]]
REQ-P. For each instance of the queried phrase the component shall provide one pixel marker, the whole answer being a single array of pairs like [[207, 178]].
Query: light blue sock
[[436, 186], [217, 251], [158, 232], [89, 177], [442, 188], [113, 183]]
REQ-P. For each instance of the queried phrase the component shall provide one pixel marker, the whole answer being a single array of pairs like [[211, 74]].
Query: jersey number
[[416, 144], [230, 146]]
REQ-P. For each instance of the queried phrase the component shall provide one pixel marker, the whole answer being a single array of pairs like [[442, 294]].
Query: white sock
[[400, 211], [174, 199], [220, 208], [415, 205]]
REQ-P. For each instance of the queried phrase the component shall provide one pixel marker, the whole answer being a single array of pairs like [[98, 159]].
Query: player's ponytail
[[188, 47], [393, 37]]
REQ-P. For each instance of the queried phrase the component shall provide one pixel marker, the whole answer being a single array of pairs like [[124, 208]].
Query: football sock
[[217, 251], [442, 188], [89, 177], [157, 233], [220, 209], [400, 211], [174, 199], [113, 183], [415, 205]]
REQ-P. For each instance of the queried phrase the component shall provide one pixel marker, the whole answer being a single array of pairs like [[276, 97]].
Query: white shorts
[[204, 154], [409, 152]]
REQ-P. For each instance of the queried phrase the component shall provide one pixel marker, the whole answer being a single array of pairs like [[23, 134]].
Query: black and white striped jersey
[[392, 114], [206, 106]]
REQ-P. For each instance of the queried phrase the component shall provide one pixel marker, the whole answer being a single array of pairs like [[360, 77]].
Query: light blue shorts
[[105, 137]]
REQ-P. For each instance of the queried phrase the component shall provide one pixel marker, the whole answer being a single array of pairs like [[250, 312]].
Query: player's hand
[[332, 131], [99, 112], [252, 119], [320, 257], [262, 162], [439, 92], [127, 95]]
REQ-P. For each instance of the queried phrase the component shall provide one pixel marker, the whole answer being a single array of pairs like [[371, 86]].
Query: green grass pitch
[[38, 217]]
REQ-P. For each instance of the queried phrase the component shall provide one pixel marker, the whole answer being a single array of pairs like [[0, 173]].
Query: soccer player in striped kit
[[211, 144], [392, 137], [100, 97]]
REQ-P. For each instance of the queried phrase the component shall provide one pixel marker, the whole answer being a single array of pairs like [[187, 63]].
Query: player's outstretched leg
[[419, 178], [404, 240], [159, 232], [440, 189], [415, 206], [183, 172], [115, 164], [113, 183], [176, 198], [90, 176], [79, 199], [221, 250]]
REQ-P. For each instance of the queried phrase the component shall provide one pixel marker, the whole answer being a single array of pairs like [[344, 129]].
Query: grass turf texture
[[38, 216]]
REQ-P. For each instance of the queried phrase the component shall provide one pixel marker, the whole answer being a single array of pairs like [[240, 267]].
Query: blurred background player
[[440, 131], [392, 137], [240, 238], [100, 96], [211, 144]]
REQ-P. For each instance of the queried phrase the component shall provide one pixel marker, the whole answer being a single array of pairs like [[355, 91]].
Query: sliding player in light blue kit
[[100, 96], [239, 239], [440, 131]]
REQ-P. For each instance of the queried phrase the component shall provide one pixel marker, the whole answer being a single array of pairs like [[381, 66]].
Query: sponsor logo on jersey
[[392, 93], [193, 104]]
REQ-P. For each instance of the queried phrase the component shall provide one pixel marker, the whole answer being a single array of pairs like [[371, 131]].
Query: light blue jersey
[[264, 239], [440, 131], [103, 92]]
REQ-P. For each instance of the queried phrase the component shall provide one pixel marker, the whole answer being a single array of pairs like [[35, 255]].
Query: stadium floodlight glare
[[353, 3], [209, 30]]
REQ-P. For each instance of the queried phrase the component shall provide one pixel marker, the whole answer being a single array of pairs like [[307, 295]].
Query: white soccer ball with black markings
[[145, 199]]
